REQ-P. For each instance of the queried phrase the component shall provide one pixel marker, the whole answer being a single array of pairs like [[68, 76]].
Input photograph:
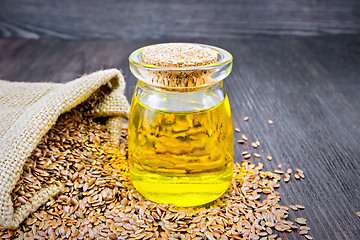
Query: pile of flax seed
[[99, 201]]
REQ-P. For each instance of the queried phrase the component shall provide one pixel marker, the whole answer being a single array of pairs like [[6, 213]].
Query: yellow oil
[[181, 157]]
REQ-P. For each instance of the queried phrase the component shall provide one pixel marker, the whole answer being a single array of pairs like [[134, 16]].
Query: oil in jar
[[183, 158]]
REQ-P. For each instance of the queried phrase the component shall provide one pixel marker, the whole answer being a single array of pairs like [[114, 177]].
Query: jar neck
[[162, 99], [151, 87]]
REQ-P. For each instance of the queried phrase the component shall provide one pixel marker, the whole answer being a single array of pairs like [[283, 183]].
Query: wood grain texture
[[166, 19], [309, 86]]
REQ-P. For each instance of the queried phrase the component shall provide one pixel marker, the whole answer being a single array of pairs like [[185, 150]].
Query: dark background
[[138, 19], [296, 62]]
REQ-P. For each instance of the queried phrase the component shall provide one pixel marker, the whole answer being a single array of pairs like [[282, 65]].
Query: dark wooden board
[[309, 86], [165, 19]]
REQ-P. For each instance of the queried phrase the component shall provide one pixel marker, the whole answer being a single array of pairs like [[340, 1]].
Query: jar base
[[182, 192]]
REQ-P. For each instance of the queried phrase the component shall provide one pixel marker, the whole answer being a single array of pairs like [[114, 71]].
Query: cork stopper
[[180, 66], [179, 55]]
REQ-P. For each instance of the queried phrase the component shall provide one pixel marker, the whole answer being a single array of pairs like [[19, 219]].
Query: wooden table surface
[[309, 87]]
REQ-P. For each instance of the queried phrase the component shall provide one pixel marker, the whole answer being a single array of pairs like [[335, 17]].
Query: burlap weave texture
[[29, 110]]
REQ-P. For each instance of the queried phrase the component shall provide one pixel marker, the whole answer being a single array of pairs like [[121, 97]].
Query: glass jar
[[180, 138]]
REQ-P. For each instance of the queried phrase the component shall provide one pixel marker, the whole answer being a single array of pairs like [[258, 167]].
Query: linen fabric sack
[[27, 113]]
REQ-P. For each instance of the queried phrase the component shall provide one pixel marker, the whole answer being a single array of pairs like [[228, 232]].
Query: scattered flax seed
[[293, 207], [246, 118], [289, 171], [257, 155], [277, 176], [237, 129], [241, 141], [301, 207], [303, 232], [257, 142], [100, 202], [299, 170], [271, 122], [358, 214], [287, 177], [244, 152], [301, 221], [278, 171], [308, 237], [305, 228], [209, 235], [294, 227], [297, 177], [254, 145], [243, 136], [280, 165], [246, 156], [269, 158], [266, 191], [301, 174]]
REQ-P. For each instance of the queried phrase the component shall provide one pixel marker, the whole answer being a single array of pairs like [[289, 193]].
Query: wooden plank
[[309, 86], [165, 19], [290, 82]]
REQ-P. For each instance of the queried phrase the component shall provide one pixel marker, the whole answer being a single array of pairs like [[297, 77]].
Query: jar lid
[[180, 66], [179, 55]]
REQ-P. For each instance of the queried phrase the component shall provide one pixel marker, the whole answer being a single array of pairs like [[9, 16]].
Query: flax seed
[[305, 228], [301, 221], [246, 156], [287, 177], [243, 136], [293, 207], [301, 207]]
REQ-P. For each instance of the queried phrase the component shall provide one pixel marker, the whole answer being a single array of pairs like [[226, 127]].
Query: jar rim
[[224, 58]]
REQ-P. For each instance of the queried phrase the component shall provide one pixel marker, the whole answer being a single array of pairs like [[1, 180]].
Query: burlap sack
[[29, 110]]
